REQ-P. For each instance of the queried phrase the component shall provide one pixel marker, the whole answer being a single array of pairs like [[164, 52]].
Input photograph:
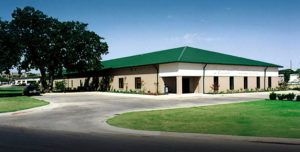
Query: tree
[[52, 46], [3, 79], [298, 72], [286, 73], [9, 48]]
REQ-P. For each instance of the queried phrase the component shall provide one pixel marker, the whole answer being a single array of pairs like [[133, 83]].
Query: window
[[71, 83], [245, 82], [231, 83], [258, 82], [138, 83], [121, 83], [216, 84], [269, 82]]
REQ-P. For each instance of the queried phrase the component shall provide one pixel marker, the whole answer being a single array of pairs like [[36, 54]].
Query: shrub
[[298, 98], [272, 96], [60, 85], [281, 96], [290, 96]]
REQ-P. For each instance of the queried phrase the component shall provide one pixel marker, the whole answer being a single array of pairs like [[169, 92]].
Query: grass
[[11, 104], [11, 91], [265, 118]]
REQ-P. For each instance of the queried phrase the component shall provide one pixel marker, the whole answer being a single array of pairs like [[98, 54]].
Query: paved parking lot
[[79, 118]]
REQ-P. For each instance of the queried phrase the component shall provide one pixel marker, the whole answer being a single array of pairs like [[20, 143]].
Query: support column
[[179, 84]]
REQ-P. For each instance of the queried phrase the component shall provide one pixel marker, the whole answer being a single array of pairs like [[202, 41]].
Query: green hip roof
[[182, 54]]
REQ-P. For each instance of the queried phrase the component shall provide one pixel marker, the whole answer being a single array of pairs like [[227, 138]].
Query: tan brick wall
[[195, 84], [71, 82], [147, 74], [224, 83], [208, 83]]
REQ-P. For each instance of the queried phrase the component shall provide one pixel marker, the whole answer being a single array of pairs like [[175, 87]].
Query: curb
[[271, 140]]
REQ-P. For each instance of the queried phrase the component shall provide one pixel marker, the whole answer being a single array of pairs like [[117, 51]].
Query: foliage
[[286, 73], [298, 98], [290, 96], [272, 96], [136, 92], [215, 87], [298, 72], [283, 86], [3, 79], [60, 85], [52, 46], [281, 96], [9, 48]]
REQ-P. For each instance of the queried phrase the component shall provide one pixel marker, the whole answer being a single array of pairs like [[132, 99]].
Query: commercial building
[[182, 70]]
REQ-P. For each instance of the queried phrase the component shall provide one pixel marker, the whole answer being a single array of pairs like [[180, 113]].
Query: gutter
[[265, 75], [204, 78]]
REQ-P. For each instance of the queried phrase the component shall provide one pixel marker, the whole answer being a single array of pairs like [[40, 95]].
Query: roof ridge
[[181, 54], [142, 54]]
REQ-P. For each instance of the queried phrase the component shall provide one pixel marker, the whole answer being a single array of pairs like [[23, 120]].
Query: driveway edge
[[30, 110]]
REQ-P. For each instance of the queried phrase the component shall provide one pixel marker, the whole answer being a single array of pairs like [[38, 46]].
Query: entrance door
[[185, 85]]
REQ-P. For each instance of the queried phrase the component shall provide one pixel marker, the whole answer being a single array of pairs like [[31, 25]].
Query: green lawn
[[10, 104], [11, 91], [256, 118]]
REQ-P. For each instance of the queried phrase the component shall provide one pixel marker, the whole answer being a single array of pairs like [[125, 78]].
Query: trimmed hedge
[[289, 96], [272, 96], [298, 98]]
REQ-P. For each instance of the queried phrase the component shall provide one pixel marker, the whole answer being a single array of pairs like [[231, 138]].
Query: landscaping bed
[[265, 118], [11, 104]]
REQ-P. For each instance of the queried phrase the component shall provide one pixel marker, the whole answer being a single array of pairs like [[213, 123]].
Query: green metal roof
[[182, 54]]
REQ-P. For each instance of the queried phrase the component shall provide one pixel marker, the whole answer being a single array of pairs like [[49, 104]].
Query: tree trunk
[[43, 79], [51, 80]]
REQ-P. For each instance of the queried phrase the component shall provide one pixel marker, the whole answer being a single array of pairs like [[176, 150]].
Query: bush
[[290, 96], [272, 96], [60, 85], [281, 96], [298, 98]]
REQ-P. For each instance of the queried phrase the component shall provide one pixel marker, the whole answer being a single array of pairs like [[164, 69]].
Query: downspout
[[265, 75], [157, 71], [204, 78]]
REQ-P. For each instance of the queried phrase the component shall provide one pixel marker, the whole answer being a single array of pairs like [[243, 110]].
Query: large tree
[[51, 46], [9, 48], [286, 73]]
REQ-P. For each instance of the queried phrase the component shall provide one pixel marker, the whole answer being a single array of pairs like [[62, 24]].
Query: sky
[[265, 30]]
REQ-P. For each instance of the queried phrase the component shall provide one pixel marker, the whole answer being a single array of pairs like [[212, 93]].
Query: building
[[26, 81], [293, 82], [182, 70]]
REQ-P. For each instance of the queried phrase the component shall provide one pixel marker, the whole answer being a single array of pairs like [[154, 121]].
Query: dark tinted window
[[216, 83], [231, 83], [269, 82], [138, 83], [121, 83], [245, 82], [258, 82]]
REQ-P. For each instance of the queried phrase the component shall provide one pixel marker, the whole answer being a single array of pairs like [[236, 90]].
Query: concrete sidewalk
[[175, 96]]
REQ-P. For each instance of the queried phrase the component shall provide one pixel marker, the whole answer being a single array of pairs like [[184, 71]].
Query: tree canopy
[[9, 48], [51, 46]]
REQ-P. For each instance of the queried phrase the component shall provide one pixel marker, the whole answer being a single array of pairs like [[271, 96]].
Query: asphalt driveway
[[73, 122]]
